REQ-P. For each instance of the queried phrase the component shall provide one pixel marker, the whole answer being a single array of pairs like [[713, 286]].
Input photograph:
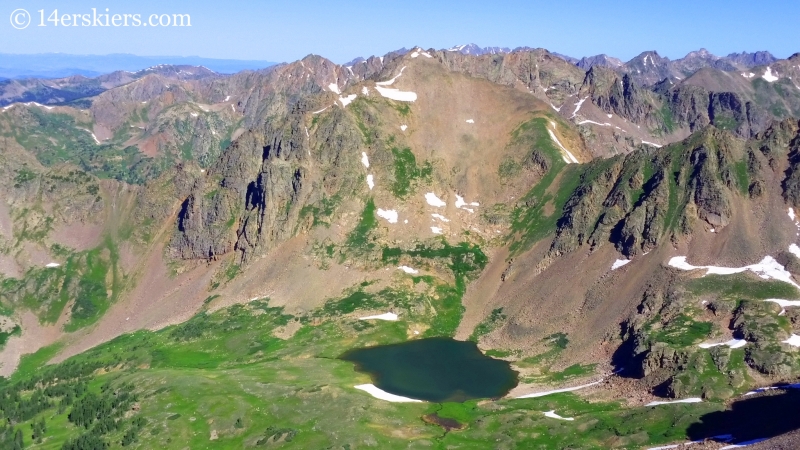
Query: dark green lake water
[[435, 369]]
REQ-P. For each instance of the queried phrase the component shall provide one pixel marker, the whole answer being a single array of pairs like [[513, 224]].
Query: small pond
[[435, 370]]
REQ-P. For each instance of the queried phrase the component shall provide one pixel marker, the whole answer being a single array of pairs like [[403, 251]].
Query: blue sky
[[286, 31]]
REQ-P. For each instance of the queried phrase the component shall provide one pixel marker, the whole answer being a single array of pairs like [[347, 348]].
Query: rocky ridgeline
[[670, 106], [535, 70], [618, 95], [639, 200], [252, 198]]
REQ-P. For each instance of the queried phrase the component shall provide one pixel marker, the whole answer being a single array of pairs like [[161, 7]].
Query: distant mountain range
[[643, 73], [59, 65]]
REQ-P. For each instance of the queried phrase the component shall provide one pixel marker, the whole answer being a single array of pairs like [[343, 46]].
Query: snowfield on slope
[[552, 414], [686, 400], [347, 100], [433, 200], [619, 263], [733, 343], [558, 391], [385, 316], [376, 392], [388, 214], [389, 82], [568, 158], [769, 76], [768, 268], [397, 94]]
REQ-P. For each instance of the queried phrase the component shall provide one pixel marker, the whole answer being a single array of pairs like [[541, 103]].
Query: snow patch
[[403, 127], [39, 105], [795, 250], [461, 204], [783, 303], [389, 82], [651, 143], [619, 263], [733, 343], [388, 214], [365, 159], [370, 181], [767, 268], [376, 392], [721, 437], [396, 94], [748, 75], [436, 230], [385, 316], [743, 444], [408, 270], [770, 388], [347, 100], [470, 121], [194, 114], [440, 217], [578, 106], [558, 391], [794, 340], [334, 87], [93, 136], [552, 414], [606, 124], [686, 400], [433, 200], [365, 90], [52, 265], [568, 158], [323, 109], [769, 76], [417, 53]]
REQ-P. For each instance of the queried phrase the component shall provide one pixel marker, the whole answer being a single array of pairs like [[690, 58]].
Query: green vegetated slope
[[179, 134], [222, 380], [672, 323], [90, 280]]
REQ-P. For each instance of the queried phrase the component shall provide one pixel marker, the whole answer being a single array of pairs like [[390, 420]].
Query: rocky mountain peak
[[587, 62], [747, 60]]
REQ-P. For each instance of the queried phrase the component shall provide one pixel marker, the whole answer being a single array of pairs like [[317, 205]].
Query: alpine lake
[[435, 370]]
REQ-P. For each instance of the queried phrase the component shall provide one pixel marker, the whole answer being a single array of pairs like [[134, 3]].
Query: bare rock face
[[619, 95], [252, 198], [791, 184]]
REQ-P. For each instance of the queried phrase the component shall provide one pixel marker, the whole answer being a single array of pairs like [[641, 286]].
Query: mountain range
[[185, 254], [61, 65]]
